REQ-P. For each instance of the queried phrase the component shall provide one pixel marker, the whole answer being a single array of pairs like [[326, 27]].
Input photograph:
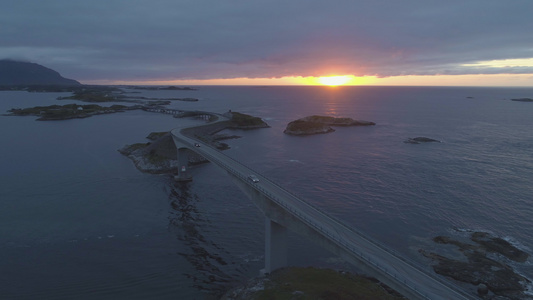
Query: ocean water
[[78, 220]]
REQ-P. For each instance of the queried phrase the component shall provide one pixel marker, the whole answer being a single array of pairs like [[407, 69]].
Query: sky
[[380, 42]]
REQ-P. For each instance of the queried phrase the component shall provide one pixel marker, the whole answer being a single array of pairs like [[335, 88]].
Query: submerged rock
[[421, 139], [523, 100], [499, 245]]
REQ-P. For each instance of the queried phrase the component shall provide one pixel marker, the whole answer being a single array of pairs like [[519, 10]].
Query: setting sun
[[335, 80]]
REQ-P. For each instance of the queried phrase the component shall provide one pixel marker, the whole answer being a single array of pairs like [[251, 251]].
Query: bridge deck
[[419, 283]]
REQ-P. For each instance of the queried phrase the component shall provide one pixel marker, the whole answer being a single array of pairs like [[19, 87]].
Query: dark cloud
[[163, 39]]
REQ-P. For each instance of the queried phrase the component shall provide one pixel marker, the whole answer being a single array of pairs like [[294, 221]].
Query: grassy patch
[[137, 146], [68, 111], [313, 283], [129, 149], [241, 119], [155, 158], [299, 125]]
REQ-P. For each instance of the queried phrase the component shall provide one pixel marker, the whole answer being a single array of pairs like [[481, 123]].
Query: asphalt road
[[421, 283]]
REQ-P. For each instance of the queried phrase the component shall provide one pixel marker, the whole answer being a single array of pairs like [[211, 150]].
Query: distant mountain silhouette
[[25, 73]]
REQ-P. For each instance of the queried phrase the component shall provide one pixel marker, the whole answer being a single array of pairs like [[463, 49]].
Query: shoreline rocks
[[479, 265], [320, 124]]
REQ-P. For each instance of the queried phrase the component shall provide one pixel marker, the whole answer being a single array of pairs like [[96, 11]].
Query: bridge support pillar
[[183, 159], [275, 246]]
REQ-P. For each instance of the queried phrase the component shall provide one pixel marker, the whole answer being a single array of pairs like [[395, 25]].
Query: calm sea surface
[[78, 221]]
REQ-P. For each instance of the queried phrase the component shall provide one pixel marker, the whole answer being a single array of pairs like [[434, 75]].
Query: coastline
[[160, 155], [506, 283]]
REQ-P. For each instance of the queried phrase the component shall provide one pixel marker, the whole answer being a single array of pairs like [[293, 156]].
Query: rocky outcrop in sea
[[159, 156], [320, 124], [483, 263], [420, 139]]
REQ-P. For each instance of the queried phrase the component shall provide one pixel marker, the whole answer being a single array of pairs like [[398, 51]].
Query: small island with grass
[[244, 121], [95, 95], [159, 155], [320, 124], [161, 88], [68, 111]]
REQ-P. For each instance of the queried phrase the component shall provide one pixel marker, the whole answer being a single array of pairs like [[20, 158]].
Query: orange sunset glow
[[434, 80], [335, 80]]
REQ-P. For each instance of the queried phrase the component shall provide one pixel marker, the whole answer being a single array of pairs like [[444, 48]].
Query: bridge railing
[[341, 238]]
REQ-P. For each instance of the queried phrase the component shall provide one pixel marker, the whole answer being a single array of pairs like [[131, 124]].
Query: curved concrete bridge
[[283, 211]]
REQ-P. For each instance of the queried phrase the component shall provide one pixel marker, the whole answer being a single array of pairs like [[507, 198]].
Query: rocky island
[[320, 124], [103, 94], [160, 155], [90, 94], [161, 88], [68, 111]]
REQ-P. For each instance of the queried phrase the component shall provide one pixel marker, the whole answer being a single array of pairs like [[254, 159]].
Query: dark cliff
[[18, 73]]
